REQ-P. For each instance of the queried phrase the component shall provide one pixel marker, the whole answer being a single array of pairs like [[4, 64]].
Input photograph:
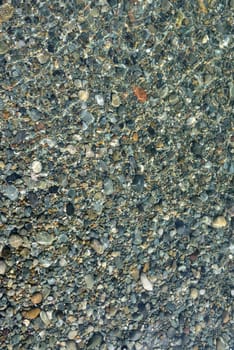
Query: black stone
[[70, 209], [13, 177], [138, 183]]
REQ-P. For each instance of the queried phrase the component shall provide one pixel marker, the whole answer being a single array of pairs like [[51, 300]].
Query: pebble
[[89, 281], [95, 342], [108, 186], [36, 166], [83, 95], [72, 334], [6, 12], [226, 317], [43, 58], [115, 100], [220, 345], [194, 293], [219, 222], [31, 314], [99, 99], [71, 345], [44, 317], [2, 267], [87, 117], [36, 298], [45, 238], [147, 285], [97, 246], [138, 183], [11, 192], [15, 241]]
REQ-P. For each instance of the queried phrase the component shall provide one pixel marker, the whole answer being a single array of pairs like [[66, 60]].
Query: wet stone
[[70, 210], [138, 183], [95, 341], [11, 192], [108, 186]]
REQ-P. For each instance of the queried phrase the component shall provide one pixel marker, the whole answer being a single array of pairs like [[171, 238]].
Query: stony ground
[[116, 166]]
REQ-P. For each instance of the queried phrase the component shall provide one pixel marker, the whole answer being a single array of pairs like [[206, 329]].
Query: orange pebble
[[135, 137], [140, 93]]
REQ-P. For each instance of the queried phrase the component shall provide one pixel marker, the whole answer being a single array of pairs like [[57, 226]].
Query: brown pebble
[[32, 314], [140, 94], [36, 298], [135, 137]]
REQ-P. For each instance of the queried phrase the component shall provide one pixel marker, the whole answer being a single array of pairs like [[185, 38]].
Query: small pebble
[[2, 267], [194, 293], [11, 192], [36, 298], [71, 345], [15, 241], [89, 281], [100, 100], [44, 317], [219, 222], [44, 238], [6, 12], [36, 166], [108, 186], [147, 285], [220, 345], [115, 100], [97, 246], [72, 334], [226, 317], [83, 95], [32, 314]]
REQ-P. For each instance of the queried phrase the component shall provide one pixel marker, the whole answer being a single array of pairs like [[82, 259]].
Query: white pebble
[[147, 285], [100, 100], [36, 166]]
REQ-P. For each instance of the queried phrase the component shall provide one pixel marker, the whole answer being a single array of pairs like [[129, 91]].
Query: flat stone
[[11, 192], [45, 238]]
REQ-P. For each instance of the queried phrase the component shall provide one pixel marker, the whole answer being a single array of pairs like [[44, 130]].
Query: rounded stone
[[219, 222], [72, 334], [194, 293], [31, 314], [15, 241], [115, 100], [83, 95], [36, 298], [36, 166]]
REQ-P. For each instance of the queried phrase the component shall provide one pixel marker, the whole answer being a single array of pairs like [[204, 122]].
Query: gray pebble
[[108, 186], [95, 341], [11, 192]]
